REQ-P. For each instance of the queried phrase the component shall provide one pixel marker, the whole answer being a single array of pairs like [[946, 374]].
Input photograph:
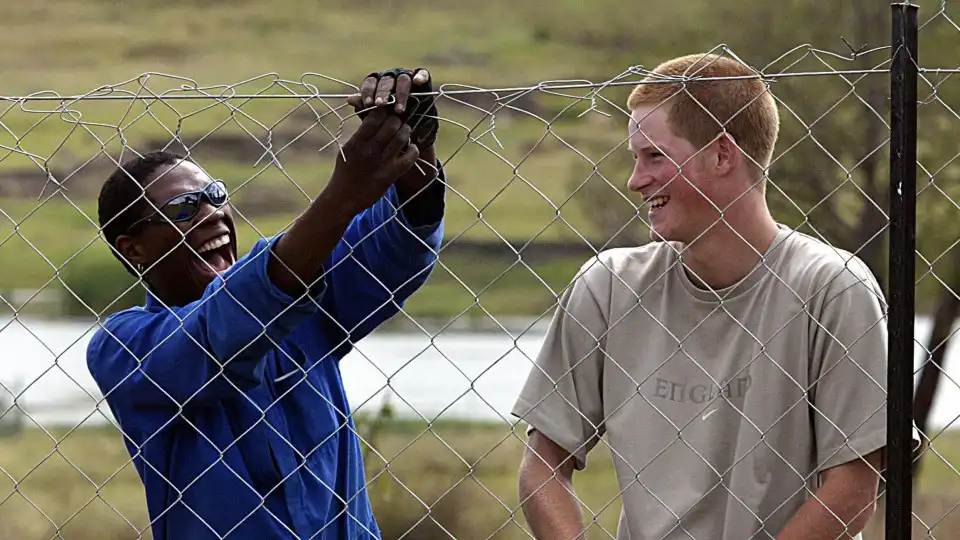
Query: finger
[[367, 90], [404, 83], [407, 159], [388, 130], [400, 140], [370, 125], [383, 90], [355, 101], [421, 77]]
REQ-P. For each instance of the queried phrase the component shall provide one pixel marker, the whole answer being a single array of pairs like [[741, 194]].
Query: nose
[[639, 178], [208, 213]]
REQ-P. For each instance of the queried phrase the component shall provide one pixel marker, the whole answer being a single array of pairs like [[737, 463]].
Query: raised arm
[[387, 253], [390, 250], [213, 346]]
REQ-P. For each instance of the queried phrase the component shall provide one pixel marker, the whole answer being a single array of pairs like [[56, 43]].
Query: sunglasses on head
[[186, 206]]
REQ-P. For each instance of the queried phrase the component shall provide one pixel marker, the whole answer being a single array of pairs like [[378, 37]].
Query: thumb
[[409, 157], [406, 160]]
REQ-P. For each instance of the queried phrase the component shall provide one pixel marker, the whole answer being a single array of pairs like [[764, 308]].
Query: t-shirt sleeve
[[562, 396], [849, 367]]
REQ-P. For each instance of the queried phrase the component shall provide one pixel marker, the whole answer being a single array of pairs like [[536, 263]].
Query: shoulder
[[623, 271], [130, 330], [118, 327], [114, 336], [630, 264], [825, 271]]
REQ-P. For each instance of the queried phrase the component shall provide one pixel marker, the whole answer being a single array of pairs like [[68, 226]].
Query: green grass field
[[465, 473]]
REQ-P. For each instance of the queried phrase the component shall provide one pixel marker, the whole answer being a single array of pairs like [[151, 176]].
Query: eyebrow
[[647, 146]]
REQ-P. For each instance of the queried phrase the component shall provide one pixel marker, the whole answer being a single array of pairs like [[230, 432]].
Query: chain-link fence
[[710, 395]]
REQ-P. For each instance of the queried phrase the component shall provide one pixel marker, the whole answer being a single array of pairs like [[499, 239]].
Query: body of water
[[453, 375]]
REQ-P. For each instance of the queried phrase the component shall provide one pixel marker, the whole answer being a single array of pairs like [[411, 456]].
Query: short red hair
[[743, 105]]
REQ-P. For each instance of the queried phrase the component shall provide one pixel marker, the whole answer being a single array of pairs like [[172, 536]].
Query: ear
[[131, 249], [728, 155]]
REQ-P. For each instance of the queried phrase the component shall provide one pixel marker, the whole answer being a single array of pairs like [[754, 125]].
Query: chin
[[202, 276], [661, 235]]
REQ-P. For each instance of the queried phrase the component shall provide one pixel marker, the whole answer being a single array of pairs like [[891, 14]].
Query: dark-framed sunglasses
[[186, 206]]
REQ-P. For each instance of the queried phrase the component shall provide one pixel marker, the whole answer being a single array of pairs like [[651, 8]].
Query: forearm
[[300, 254], [381, 262], [397, 249], [838, 510], [316, 237], [548, 503]]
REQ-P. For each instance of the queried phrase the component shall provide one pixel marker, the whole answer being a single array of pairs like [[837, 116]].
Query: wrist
[[336, 210], [420, 175], [429, 154], [422, 196]]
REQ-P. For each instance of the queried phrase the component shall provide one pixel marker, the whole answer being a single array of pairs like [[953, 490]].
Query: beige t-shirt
[[719, 406]]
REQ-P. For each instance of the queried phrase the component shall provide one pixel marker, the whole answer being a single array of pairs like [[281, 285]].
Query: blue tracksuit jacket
[[233, 407]]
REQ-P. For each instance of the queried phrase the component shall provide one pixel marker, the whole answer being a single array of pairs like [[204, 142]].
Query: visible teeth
[[215, 243], [657, 202]]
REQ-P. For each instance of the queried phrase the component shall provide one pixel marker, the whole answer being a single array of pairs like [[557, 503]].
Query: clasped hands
[[417, 111]]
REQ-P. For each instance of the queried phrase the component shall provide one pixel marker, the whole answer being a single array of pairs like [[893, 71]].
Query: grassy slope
[[523, 191]]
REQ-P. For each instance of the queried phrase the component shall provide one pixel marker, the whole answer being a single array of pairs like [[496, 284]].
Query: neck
[[732, 248], [164, 296]]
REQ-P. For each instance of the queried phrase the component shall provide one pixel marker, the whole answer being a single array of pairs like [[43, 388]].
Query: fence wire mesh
[[536, 276]]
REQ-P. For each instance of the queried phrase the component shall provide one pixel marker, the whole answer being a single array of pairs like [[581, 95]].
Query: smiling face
[[181, 258], [673, 176]]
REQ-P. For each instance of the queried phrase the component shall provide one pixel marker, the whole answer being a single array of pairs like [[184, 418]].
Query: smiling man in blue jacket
[[226, 383]]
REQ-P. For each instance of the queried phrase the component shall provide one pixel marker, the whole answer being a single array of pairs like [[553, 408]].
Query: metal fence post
[[903, 199]]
